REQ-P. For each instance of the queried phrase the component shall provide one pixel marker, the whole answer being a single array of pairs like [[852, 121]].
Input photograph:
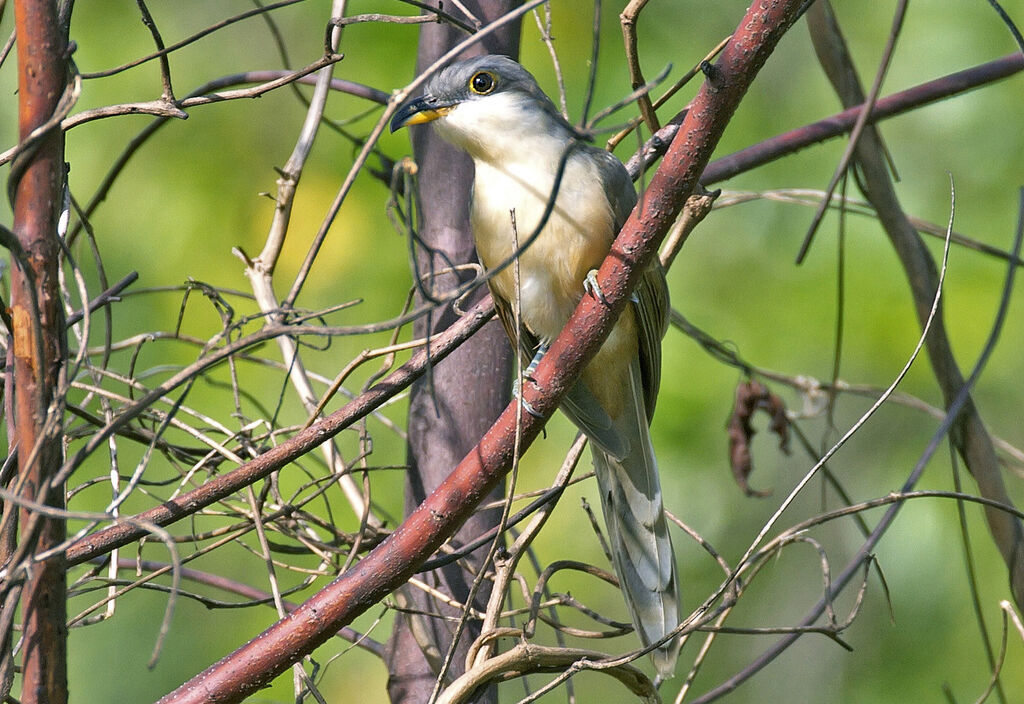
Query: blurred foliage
[[195, 191]]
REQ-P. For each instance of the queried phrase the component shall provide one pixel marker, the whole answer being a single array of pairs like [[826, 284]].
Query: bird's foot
[[517, 393], [517, 385], [591, 286], [532, 366]]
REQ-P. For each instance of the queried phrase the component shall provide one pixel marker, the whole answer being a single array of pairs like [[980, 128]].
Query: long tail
[[638, 533]]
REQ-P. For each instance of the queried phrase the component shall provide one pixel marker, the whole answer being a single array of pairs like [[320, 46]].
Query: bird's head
[[481, 102]]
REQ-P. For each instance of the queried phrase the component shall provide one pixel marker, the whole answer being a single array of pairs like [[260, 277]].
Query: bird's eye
[[482, 82]]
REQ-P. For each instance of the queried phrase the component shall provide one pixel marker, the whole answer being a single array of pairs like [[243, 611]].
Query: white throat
[[504, 127]]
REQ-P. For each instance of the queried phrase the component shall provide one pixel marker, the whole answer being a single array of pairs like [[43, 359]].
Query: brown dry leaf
[[752, 396]]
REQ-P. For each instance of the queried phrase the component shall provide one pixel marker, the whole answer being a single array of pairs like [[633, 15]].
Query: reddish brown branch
[[38, 346], [830, 127], [315, 435], [247, 591], [969, 435], [898, 103], [396, 559], [963, 424], [718, 170]]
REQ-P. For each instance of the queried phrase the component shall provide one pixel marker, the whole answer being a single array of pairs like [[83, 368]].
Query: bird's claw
[[532, 366], [517, 389], [591, 286], [529, 409], [517, 385]]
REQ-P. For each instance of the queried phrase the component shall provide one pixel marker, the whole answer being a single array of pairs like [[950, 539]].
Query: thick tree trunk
[[37, 352], [455, 403]]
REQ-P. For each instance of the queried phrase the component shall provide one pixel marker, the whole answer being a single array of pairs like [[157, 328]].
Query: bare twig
[[527, 658], [272, 460], [549, 41], [858, 127], [595, 50], [261, 269], [270, 80], [993, 507], [789, 142], [664, 98], [164, 51], [165, 66], [969, 435], [396, 101], [506, 570], [629, 18], [255, 596]]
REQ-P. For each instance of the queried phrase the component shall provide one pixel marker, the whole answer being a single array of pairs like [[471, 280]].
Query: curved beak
[[419, 111]]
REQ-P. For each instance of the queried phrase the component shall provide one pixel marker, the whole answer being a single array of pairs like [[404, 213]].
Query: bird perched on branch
[[542, 194]]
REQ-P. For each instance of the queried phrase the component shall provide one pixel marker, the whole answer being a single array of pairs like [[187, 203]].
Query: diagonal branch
[[969, 434], [226, 484], [830, 127], [721, 169], [396, 559]]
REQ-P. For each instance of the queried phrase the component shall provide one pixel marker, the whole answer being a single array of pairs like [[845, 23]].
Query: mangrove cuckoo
[[541, 193]]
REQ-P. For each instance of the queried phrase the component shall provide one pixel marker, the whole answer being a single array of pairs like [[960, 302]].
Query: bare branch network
[[214, 403]]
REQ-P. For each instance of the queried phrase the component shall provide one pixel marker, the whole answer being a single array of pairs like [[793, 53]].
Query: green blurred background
[[193, 192]]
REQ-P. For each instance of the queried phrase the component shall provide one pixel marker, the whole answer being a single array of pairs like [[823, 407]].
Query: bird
[[540, 192]]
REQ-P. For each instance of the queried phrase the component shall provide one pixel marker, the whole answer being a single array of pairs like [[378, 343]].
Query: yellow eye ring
[[482, 82]]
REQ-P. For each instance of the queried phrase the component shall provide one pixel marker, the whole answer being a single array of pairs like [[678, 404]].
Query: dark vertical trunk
[[461, 397]]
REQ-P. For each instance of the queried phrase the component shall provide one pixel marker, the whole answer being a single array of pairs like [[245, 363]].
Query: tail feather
[[638, 533]]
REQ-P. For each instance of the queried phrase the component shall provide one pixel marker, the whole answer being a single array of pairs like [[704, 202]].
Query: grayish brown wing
[[650, 308], [579, 404], [651, 302]]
